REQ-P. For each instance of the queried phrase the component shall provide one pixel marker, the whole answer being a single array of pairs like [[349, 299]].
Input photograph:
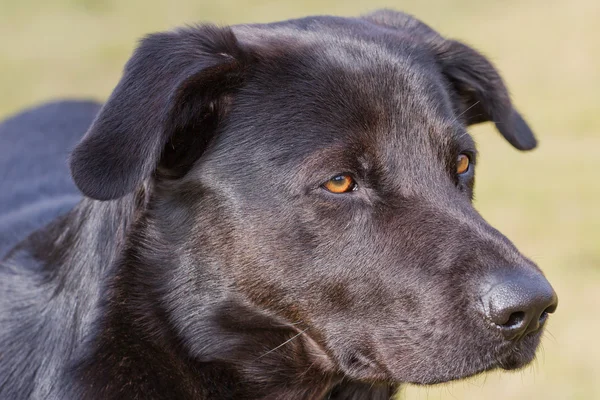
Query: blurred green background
[[546, 201]]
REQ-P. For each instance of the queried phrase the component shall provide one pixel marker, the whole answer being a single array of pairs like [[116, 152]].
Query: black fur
[[207, 261]]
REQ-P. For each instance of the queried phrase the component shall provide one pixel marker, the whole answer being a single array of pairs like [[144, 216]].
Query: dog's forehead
[[348, 82]]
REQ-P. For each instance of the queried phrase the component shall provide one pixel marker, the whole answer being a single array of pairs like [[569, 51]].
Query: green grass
[[546, 201]]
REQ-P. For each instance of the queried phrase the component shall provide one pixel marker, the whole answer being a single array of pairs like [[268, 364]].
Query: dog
[[270, 211]]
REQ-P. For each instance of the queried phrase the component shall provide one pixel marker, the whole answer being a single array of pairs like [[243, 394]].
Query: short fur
[[206, 260]]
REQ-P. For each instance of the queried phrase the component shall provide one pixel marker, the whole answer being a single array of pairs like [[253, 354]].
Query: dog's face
[[320, 172]]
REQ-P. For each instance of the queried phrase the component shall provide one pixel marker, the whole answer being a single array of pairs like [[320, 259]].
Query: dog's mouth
[[364, 365]]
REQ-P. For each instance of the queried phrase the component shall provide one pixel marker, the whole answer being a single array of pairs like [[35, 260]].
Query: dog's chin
[[508, 356], [511, 362]]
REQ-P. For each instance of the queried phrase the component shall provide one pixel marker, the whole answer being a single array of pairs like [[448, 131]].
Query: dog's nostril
[[544, 315], [552, 307], [514, 320], [543, 318]]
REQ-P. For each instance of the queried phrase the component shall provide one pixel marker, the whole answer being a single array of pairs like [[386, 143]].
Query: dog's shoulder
[[39, 321], [35, 183]]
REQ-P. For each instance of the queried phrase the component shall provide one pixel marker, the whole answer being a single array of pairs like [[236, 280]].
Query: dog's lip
[[507, 355], [512, 361], [500, 354], [516, 355]]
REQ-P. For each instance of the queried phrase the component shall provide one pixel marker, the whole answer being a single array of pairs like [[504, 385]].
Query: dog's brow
[[465, 141], [332, 157]]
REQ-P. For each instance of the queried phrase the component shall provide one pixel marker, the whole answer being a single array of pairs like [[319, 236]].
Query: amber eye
[[340, 184], [462, 164]]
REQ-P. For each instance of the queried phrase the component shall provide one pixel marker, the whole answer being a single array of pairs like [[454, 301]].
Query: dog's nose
[[518, 303]]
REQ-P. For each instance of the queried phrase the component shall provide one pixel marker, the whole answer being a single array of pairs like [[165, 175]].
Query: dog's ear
[[480, 94], [172, 83], [478, 90]]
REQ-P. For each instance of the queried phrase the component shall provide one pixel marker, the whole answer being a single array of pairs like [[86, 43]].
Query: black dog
[[275, 211]]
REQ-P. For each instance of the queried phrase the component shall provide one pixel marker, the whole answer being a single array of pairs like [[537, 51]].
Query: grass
[[546, 201]]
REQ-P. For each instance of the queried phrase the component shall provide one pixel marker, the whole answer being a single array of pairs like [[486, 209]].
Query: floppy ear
[[171, 83], [478, 90], [480, 94]]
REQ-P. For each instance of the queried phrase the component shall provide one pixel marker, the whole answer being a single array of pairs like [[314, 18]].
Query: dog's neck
[[80, 245], [61, 271]]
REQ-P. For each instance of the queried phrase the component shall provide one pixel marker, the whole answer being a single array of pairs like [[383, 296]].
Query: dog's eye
[[462, 164], [340, 184]]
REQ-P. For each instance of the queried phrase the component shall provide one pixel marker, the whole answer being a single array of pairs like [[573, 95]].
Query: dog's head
[[320, 173]]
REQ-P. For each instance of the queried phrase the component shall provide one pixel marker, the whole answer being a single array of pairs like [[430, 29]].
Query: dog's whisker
[[283, 344], [287, 324], [465, 133], [547, 333], [465, 111]]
